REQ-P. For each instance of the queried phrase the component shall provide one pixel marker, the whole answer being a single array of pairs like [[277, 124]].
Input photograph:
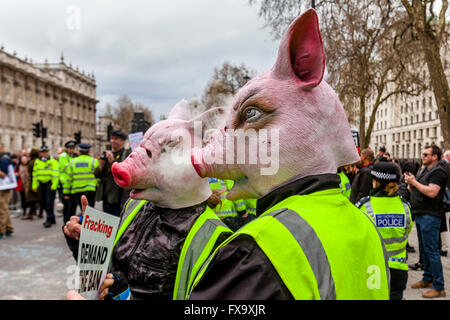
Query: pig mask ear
[[180, 111], [301, 53]]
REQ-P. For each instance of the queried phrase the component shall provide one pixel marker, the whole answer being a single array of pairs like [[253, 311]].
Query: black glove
[[119, 290]]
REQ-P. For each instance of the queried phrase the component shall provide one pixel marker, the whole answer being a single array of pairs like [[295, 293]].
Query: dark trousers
[[75, 200], [48, 201], [23, 202], [428, 227], [399, 278], [111, 208], [65, 202]]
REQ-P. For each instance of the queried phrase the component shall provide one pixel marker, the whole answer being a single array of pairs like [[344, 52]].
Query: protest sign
[[98, 230], [135, 139], [10, 181]]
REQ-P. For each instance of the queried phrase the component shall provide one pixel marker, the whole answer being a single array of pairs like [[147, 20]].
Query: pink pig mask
[[160, 170], [300, 112]]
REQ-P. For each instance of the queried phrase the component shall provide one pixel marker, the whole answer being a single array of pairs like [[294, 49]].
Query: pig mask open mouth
[[296, 115], [160, 170]]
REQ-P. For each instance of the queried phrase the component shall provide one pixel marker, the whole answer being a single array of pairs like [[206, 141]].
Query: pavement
[[34, 263]]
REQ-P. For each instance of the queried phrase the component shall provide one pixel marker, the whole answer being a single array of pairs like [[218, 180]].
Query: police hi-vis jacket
[[392, 216]]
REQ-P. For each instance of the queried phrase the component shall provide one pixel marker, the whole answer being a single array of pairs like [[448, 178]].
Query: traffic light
[[109, 130], [37, 129], [77, 136], [44, 133]]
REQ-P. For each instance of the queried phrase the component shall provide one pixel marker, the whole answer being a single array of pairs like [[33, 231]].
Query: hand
[[74, 295], [2, 175], [110, 156], [66, 197], [72, 229], [35, 190], [409, 178], [106, 284], [102, 163]]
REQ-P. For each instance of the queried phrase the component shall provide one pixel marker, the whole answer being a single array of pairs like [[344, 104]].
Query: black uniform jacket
[[241, 270]]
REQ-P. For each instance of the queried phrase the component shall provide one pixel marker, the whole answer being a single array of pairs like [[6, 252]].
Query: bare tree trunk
[[362, 123], [439, 84]]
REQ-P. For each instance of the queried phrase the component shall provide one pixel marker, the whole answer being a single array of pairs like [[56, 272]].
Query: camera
[[103, 156]]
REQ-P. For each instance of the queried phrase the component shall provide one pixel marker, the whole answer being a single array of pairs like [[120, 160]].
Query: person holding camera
[[109, 192]]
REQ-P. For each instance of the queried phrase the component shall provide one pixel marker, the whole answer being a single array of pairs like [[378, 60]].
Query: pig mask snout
[[121, 175]]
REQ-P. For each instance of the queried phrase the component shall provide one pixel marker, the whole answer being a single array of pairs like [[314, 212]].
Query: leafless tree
[[226, 81], [123, 111], [432, 32]]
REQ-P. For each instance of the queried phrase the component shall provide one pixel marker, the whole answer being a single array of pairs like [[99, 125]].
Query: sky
[[157, 51]]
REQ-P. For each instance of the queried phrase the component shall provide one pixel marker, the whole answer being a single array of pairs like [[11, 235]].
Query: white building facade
[[59, 95]]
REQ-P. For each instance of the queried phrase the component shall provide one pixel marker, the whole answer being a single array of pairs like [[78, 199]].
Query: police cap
[[70, 144], [385, 171], [84, 147]]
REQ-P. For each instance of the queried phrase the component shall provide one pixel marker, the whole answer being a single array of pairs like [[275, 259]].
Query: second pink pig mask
[[160, 170], [295, 105]]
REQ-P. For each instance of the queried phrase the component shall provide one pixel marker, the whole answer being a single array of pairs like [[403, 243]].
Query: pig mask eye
[[149, 153], [252, 114]]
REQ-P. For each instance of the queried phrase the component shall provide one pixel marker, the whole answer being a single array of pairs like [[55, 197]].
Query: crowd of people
[[376, 184], [423, 191], [70, 173]]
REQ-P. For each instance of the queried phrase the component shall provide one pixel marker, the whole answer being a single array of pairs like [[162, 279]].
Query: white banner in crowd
[[10, 181], [98, 231], [135, 139]]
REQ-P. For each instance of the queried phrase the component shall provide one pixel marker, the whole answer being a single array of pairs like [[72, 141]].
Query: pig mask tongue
[[160, 170], [294, 100]]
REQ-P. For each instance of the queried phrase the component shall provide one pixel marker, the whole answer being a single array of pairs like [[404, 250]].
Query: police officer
[[346, 186], [226, 209], [45, 179], [81, 179], [64, 162], [392, 216]]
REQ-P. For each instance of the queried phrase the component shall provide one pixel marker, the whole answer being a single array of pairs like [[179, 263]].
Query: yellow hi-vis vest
[[45, 171], [250, 206], [80, 175], [321, 246], [345, 185], [392, 217], [200, 242], [226, 208], [64, 162]]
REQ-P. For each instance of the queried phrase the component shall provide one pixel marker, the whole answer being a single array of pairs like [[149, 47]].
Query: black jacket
[[420, 203], [146, 256], [362, 184], [241, 270], [108, 189]]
